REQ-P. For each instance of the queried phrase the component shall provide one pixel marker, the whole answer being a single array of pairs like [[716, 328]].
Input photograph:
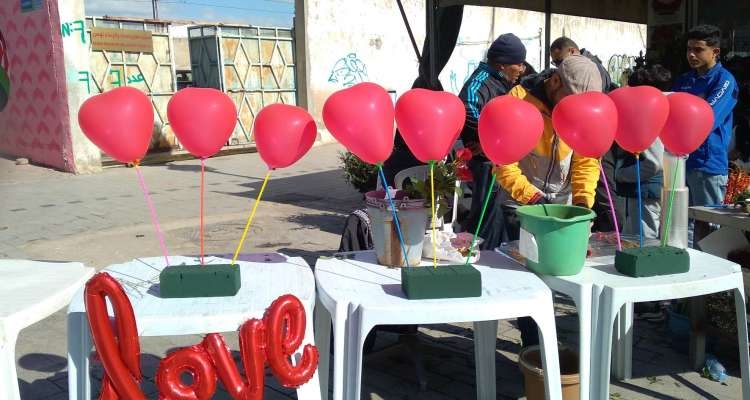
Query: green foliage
[[364, 177], [742, 197], [445, 186], [361, 175]]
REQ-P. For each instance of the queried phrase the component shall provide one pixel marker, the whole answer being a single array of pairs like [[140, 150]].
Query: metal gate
[[154, 73], [255, 66]]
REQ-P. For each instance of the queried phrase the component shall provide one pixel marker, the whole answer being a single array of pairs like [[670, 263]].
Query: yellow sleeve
[[515, 182], [584, 175]]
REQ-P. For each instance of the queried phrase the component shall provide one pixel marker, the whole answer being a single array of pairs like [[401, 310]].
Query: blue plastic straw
[[395, 216], [640, 199]]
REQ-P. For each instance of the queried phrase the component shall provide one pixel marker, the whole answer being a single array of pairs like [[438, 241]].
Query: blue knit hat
[[507, 49]]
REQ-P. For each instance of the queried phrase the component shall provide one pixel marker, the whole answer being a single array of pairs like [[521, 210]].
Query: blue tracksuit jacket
[[719, 88]]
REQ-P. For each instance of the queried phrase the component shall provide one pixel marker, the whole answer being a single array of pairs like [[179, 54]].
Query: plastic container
[[530, 361], [714, 369], [554, 238], [412, 217]]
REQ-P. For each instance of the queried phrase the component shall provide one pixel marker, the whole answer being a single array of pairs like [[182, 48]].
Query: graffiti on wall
[[77, 27], [455, 87], [115, 79], [348, 71], [4, 73], [617, 65]]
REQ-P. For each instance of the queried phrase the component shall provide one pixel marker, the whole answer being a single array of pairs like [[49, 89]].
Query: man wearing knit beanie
[[493, 77], [552, 172]]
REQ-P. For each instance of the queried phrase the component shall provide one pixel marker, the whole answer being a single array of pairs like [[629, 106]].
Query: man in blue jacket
[[708, 166]]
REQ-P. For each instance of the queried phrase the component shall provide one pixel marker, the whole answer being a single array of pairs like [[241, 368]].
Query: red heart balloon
[[587, 122], [509, 128], [641, 114], [283, 134], [202, 118], [361, 118], [430, 122], [119, 122], [689, 122]]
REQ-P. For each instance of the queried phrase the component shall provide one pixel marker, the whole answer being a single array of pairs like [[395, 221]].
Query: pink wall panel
[[35, 121]]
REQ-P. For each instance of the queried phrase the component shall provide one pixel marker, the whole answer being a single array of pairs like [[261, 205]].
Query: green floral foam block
[[199, 280], [445, 281], [652, 261]]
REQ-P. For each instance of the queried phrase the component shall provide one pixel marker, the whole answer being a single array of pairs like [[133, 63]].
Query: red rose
[[463, 154], [463, 173]]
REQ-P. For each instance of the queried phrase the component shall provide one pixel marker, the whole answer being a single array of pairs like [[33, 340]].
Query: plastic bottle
[[714, 369]]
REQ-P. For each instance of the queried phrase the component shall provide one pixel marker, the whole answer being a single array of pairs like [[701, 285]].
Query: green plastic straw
[[667, 221], [481, 218]]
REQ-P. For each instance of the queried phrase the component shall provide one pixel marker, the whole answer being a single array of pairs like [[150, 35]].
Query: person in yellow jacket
[[552, 172]]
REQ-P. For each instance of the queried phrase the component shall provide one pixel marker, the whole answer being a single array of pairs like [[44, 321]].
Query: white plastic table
[[708, 274], [603, 295], [729, 216], [265, 277], [356, 294], [29, 292]]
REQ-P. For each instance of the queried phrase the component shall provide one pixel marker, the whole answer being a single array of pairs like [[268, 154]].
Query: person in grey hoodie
[[560, 49], [651, 168]]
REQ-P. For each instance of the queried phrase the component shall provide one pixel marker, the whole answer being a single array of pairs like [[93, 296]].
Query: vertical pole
[[155, 8], [547, 28], [431, 38]]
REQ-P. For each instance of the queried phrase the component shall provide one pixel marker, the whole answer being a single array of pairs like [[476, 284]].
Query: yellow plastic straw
[[252, 215]]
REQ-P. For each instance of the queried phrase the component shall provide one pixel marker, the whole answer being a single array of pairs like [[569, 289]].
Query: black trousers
[[493, 225], [529, 330]]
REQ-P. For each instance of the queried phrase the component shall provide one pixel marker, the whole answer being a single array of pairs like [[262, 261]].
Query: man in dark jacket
[[565, 46], [494, 77]]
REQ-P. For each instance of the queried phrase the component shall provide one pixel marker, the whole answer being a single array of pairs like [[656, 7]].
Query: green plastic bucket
[[554, 238]]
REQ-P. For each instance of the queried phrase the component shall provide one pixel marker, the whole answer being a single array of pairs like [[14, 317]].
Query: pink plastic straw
[[611, 207], [154, 220]]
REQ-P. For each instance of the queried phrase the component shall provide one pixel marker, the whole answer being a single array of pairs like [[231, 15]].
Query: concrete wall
[[618, 42], [346, 42], [36, 120], [78, 81]]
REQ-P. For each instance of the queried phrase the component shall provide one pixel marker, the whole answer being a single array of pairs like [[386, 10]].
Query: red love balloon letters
[[274, 339], [252, 346], [119, 352], [286, 329], [193, 360]]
